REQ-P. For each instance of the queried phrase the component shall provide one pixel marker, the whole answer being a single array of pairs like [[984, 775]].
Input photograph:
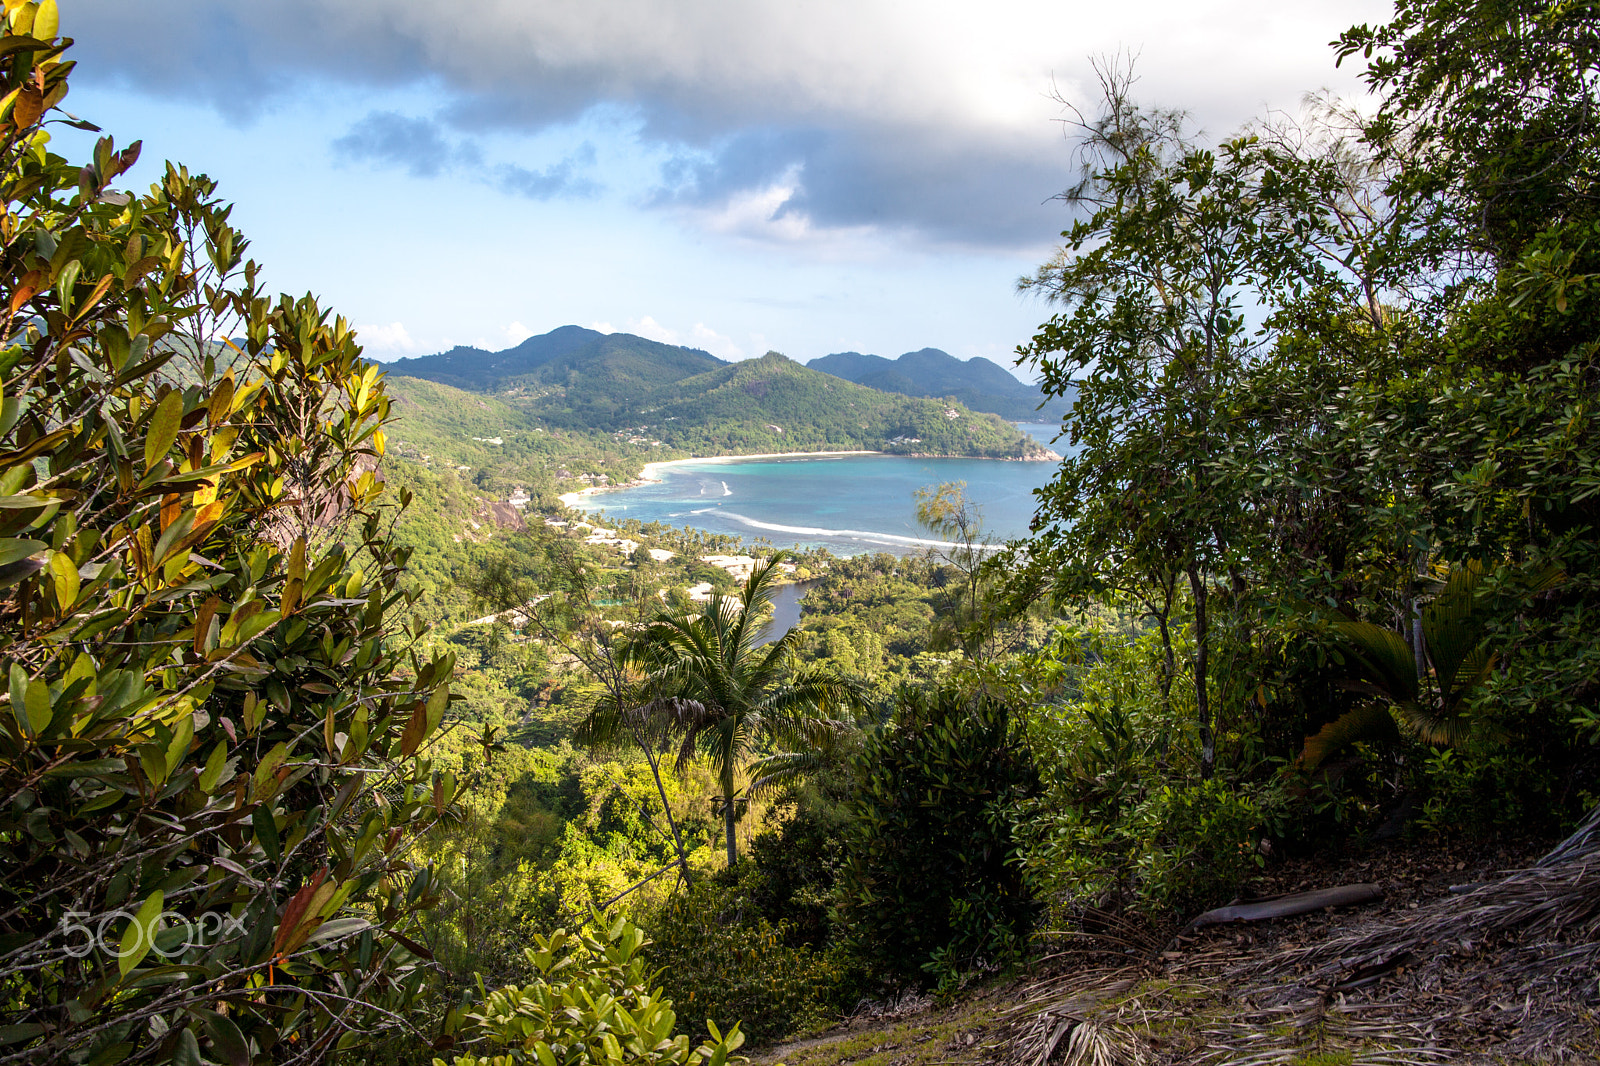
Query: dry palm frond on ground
[[1056, 1026], [1555, 900], [1510, 963]]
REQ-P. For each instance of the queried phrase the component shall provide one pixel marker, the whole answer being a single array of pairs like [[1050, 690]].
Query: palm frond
[[780, 768], [1383, 656], [1452, 625], [1370, 721], [1433, 725]]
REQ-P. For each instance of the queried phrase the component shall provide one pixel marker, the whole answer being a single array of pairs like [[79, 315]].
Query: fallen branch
[[1288, 906], [1558, 897]]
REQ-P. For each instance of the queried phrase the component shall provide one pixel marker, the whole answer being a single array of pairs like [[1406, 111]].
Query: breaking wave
[[867, 535]]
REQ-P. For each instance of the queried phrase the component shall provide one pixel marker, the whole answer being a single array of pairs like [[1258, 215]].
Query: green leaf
[[267, 771], [88, 768], [140, 935], [172, 536], [183, 736], [437, 703], [12, 549], [26, 503], [37, 706], [338, 928], [16, 1034], [187, 1053], [227, 1038], [256, 623], [214, 764], [11, 573], [22, 42], [164, 426], [19, 692], [64, 574], [266, 831], [11, 410]]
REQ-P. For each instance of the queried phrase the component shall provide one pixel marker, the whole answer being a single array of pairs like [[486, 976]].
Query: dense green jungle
[[332, 736]]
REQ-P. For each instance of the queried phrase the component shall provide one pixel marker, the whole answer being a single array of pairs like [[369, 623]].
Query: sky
[[810, 176]]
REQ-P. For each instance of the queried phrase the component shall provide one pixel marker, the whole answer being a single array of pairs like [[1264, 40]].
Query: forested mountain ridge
[[642, 393], [553, 356], [775, 403], [978, 383]]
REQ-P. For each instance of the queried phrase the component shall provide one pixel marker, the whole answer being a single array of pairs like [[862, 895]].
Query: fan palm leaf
[[1383, 665]]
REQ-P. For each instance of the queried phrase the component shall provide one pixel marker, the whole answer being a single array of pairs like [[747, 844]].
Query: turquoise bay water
[[848, 504]]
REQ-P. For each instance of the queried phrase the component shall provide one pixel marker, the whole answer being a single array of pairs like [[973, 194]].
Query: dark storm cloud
[[930, 122]]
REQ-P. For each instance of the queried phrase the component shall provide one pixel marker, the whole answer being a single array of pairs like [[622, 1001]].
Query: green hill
[[776, 404], [619, 400], [500, 442], [564, 356], [978, 383]]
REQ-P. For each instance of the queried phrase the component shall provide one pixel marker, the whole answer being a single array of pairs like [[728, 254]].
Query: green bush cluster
[[931, 882], [215, 739], [722, 957], [1123, 820], [590, 1003]]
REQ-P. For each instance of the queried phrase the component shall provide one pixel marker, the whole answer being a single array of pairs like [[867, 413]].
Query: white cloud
[[650, 329], [699, 336], [516, 333], [392, 340], [760, 212], [722, 347]]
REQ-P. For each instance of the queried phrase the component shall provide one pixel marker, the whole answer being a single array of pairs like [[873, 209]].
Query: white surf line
[[857, 534]]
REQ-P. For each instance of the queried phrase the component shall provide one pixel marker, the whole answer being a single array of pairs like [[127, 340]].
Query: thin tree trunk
[[1418, 650], [1169, 662], [666, 808], [727, 820], [1202, 655]]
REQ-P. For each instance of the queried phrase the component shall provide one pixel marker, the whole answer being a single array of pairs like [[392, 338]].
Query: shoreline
[[648, 472]]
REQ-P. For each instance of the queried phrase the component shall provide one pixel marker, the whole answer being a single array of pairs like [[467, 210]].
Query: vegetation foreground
[[302, 762]]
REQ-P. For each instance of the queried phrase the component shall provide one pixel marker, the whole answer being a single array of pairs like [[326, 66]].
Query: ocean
[[849, 504]]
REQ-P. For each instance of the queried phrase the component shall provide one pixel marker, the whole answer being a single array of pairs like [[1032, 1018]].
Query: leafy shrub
[[722, 957], [1181, 847], [1122, 821], [212, 749], [590, 1003], [794, 862], [1191, 845], [931, 882], [753, 942], [1480, 790]]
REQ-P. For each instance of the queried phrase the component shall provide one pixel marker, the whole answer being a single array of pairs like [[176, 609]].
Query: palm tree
[[709, 684], [1435, 707]]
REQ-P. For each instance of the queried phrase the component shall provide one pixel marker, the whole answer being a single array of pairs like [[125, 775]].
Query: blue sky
[[809, 176]]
